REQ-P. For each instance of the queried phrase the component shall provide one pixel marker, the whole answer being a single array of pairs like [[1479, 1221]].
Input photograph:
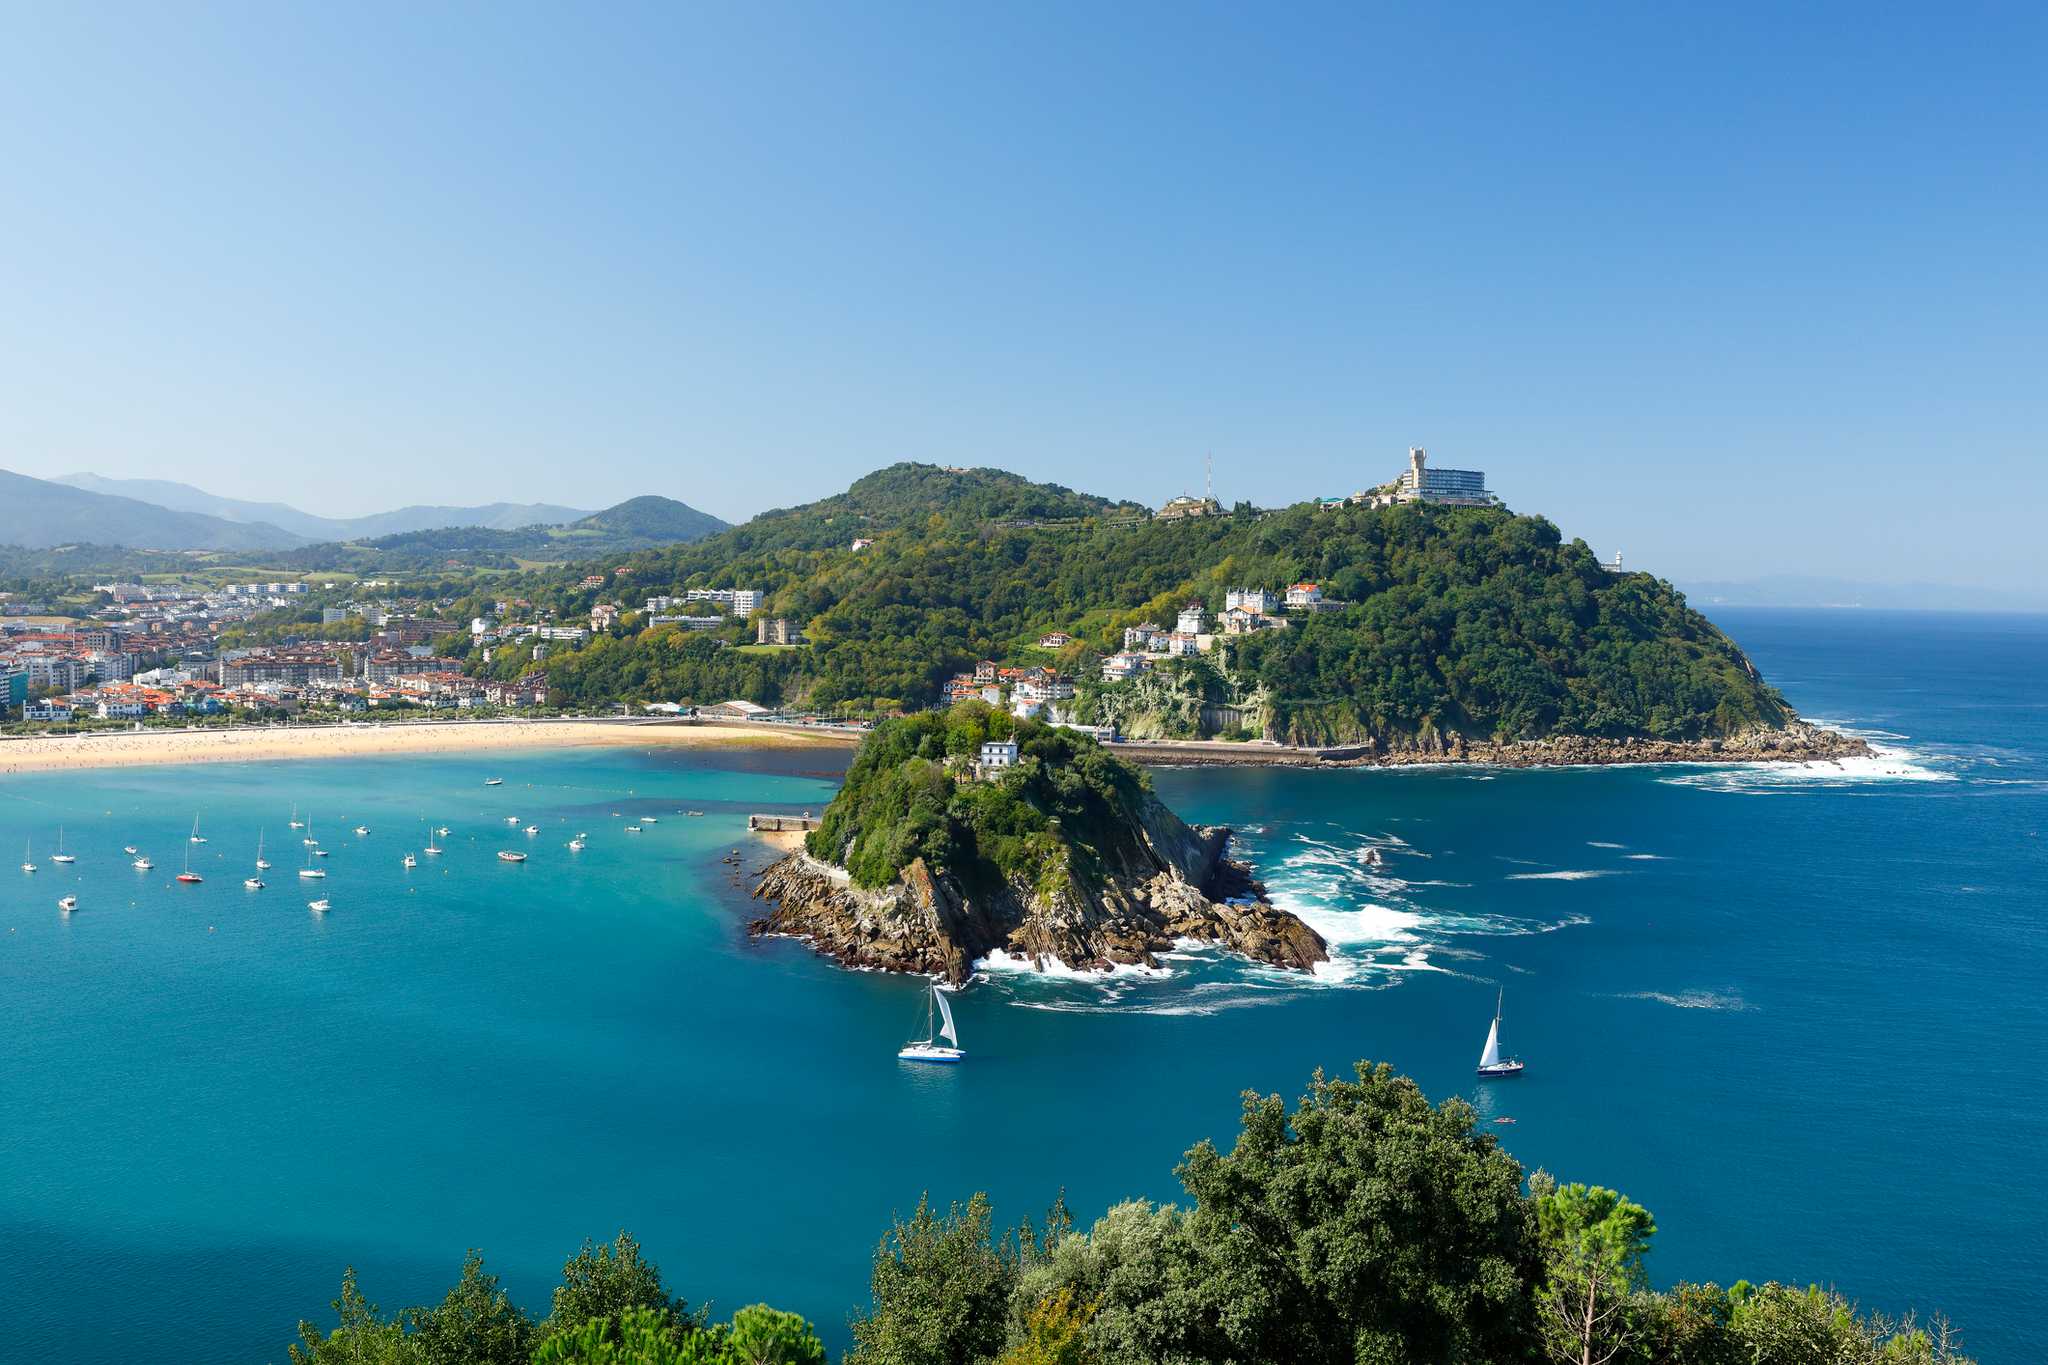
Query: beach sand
[[41, 753]]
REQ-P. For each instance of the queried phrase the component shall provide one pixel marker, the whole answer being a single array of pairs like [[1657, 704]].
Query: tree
[[1364, 1226], [1594, 1243], [941, 1286], [476, 1324], [600, 1283], [1055, 1333], [757, 1335], [362, 1337]]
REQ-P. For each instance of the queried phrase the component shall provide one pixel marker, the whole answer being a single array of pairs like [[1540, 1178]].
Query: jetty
[[782, 824]]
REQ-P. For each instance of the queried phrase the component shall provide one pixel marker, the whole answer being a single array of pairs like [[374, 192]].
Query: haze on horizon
[[1739, 294]]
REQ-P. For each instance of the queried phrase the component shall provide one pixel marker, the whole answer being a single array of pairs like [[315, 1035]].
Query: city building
[[1143, 636], [998, 753], [1190, 622], [1255, 600], [1188, 505], [1304, 596], [1057, 639], [776, 630], [1118, 667]]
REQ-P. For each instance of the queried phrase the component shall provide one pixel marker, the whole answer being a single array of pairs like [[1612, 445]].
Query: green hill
[[1472, 622]]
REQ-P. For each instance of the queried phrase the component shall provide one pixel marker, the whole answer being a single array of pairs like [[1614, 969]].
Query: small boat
[[494, 782], [362, 829], [197, 837], [312, 872], [531, 830], [28, 863], [576, 844], [67, 903], [189, 877], [143, 864], [261, 862], [649, 820], [511, 819], [411, 861], [695, 814], [128, 849], [929, 1048], [506, 855], [319, 853], [443, 831], [1491, 1063], [296, 822], [632, 829], [318, 907], [253, 883], [60, 856]]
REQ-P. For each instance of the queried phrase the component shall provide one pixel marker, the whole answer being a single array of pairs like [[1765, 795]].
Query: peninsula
[[968, 832]]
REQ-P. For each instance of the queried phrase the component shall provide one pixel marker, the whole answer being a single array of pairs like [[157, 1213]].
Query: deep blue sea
[[1795, 1012]]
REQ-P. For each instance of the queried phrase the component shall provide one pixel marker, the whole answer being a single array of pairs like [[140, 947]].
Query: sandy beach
[[40, 753]]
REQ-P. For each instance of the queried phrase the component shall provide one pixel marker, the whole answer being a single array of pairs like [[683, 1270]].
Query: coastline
[[252, 744], [1801, 742]]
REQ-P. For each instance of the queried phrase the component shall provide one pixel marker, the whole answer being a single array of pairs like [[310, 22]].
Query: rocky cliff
[[1169, 882]]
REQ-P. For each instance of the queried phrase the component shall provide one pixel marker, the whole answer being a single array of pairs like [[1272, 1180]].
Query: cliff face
[[1170, 882]]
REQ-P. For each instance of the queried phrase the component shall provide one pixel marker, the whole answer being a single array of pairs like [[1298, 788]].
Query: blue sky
[[1738, 290]]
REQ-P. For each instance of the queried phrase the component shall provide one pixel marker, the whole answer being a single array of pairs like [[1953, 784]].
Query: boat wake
[[1729, 1001], [1572, 875]]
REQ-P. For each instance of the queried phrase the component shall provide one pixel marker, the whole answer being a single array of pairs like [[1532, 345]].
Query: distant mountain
[[1800, 590], [182, 497], [39, 513], [652, 520]]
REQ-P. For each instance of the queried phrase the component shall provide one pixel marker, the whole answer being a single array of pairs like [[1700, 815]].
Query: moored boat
[[67, 904], [507, 855]]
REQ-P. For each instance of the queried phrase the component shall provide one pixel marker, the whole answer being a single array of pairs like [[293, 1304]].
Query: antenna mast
[[1209, 478]]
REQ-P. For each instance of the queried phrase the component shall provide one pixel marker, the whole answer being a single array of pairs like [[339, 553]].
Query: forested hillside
[[1472, 622]]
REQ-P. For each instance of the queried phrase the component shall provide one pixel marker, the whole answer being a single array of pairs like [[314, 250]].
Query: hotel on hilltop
[[1419, 483]]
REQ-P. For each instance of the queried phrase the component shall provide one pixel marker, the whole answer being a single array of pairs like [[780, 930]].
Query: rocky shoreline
[[929, 924], [1800, 742]]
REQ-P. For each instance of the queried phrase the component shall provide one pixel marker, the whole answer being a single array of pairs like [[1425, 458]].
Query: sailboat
[[309, 870], [60, 856], [1491, 1063], [432, 850], [27, 861], [197, 837], [930, 1049], [188, 876], [254, 880], [295, 822]]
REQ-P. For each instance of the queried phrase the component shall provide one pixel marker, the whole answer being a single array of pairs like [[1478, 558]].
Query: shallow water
[[1789, 1011]]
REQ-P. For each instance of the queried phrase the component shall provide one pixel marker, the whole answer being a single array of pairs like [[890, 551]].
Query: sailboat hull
[[1501, 1069], [925, 1052]]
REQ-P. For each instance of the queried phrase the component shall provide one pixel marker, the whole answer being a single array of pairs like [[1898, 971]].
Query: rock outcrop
[[1181, 886]]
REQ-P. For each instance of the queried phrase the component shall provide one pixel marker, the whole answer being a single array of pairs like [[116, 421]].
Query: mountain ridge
[[185, 497]]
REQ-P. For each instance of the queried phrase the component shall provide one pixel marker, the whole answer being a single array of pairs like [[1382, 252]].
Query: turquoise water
[[1791, 1012]]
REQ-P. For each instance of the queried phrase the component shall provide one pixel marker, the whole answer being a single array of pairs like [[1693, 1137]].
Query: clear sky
[[1736, 289]]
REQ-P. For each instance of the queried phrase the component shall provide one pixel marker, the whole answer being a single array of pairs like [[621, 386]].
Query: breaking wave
[[1576, 875]]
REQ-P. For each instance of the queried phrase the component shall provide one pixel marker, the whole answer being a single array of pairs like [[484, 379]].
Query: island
[[967, 832]]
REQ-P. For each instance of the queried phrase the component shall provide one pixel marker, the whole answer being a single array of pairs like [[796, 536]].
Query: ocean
[[1789, 1010]]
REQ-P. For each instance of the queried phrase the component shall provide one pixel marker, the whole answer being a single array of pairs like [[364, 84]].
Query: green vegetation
[[1360, 1225], [1455, 621], [1067, 809]]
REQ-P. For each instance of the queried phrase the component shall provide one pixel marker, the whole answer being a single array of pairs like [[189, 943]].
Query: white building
[[1304, 595], [1190, 622], [1450, 487], [999, 753], [1145, 636], [1255, 600], [1118, 667]]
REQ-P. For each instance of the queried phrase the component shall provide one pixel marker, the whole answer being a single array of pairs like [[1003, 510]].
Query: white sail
[[946, 1012], [1491, 1057]]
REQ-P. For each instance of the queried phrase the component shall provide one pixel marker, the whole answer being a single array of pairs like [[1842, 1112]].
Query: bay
[[1790, 1011]]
